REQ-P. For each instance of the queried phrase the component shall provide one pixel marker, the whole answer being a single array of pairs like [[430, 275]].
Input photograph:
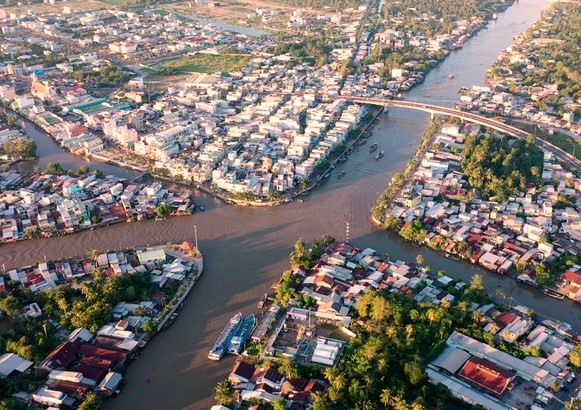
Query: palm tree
[[94, 254], [477, 316], [420, 259], [386, 397], [224, 393], [500, 294]]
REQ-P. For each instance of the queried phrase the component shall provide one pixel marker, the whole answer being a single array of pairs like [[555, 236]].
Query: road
[[559, 154]]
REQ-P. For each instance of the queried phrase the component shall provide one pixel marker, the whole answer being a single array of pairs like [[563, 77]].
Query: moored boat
[[553, 293], [373, 147], [223, 341], [341, 175], [239, 340], [348, 150]]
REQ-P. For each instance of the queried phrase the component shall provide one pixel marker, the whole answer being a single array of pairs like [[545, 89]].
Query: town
[[256, 133], [180, 94], [330, 309], [44, 205], [532, 230], [114, 301]]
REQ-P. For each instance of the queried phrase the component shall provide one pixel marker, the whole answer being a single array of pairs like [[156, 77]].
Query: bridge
[[469, 116]]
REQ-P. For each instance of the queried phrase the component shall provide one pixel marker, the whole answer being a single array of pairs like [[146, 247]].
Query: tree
[[149, 328], [98, 173], [224, 393], [280, 404], [414, 372], [288, 368], [94, 254], [543, 275], [420, 259], [300, 256], [11, 305], [573, 404], [476, 292], [386, 397], [392, 222], [55, 168], [575, 356], [163, 210], [91, 402]]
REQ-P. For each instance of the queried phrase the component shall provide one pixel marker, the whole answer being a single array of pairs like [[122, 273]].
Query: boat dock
[[264, 324]]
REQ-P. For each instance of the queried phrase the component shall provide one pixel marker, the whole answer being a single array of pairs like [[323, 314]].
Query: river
[[246, 249]]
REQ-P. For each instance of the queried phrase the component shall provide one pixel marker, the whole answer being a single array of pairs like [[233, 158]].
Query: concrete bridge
[[468, 116]]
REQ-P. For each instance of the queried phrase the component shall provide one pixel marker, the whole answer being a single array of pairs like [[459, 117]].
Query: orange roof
[[486, 374], [571, 276]]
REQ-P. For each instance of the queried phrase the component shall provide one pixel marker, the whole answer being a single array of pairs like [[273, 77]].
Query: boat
[[263, 301], [451, 76], [348, 150], [361, 142], [452, 257], [373, 147], [379, 155], [221, 345], [341, 175], [342, 158], [201, 208], [239, 340], [553, 293]]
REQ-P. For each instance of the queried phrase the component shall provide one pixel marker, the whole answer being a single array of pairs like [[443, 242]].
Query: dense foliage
[[316, 49], [333, 5], [107, 76], [445, 12], [88, 304], [558, 61], [19, 148], [501, 167], [383, 367]]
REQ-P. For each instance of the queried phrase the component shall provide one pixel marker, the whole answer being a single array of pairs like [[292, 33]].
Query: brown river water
[[246, 249]]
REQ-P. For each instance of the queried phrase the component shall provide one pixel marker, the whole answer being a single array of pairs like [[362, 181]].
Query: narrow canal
[[246, 249]]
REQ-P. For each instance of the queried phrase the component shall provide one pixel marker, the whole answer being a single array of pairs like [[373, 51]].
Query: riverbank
[[290, 196], [56, 203], [433, 205], [302, 321], [397, 182], [247, 248], [127, 297]]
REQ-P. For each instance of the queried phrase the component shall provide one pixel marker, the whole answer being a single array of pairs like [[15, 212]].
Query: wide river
[[246, 249]]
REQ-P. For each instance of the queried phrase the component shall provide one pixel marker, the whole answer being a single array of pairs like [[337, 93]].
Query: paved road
[[561, 155]]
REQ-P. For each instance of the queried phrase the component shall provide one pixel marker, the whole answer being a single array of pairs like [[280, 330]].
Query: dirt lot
[[58, 6]]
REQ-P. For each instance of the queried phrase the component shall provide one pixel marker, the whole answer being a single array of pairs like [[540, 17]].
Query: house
[[61, 357], [10, 363], [110, 384], [242, 372], [270, 377]]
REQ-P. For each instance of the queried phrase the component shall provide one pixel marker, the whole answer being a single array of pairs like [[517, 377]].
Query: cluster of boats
[[233, 338]]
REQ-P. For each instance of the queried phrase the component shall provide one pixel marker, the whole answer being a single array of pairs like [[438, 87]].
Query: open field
[[243, 12], [58, 6], [205, 63]]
